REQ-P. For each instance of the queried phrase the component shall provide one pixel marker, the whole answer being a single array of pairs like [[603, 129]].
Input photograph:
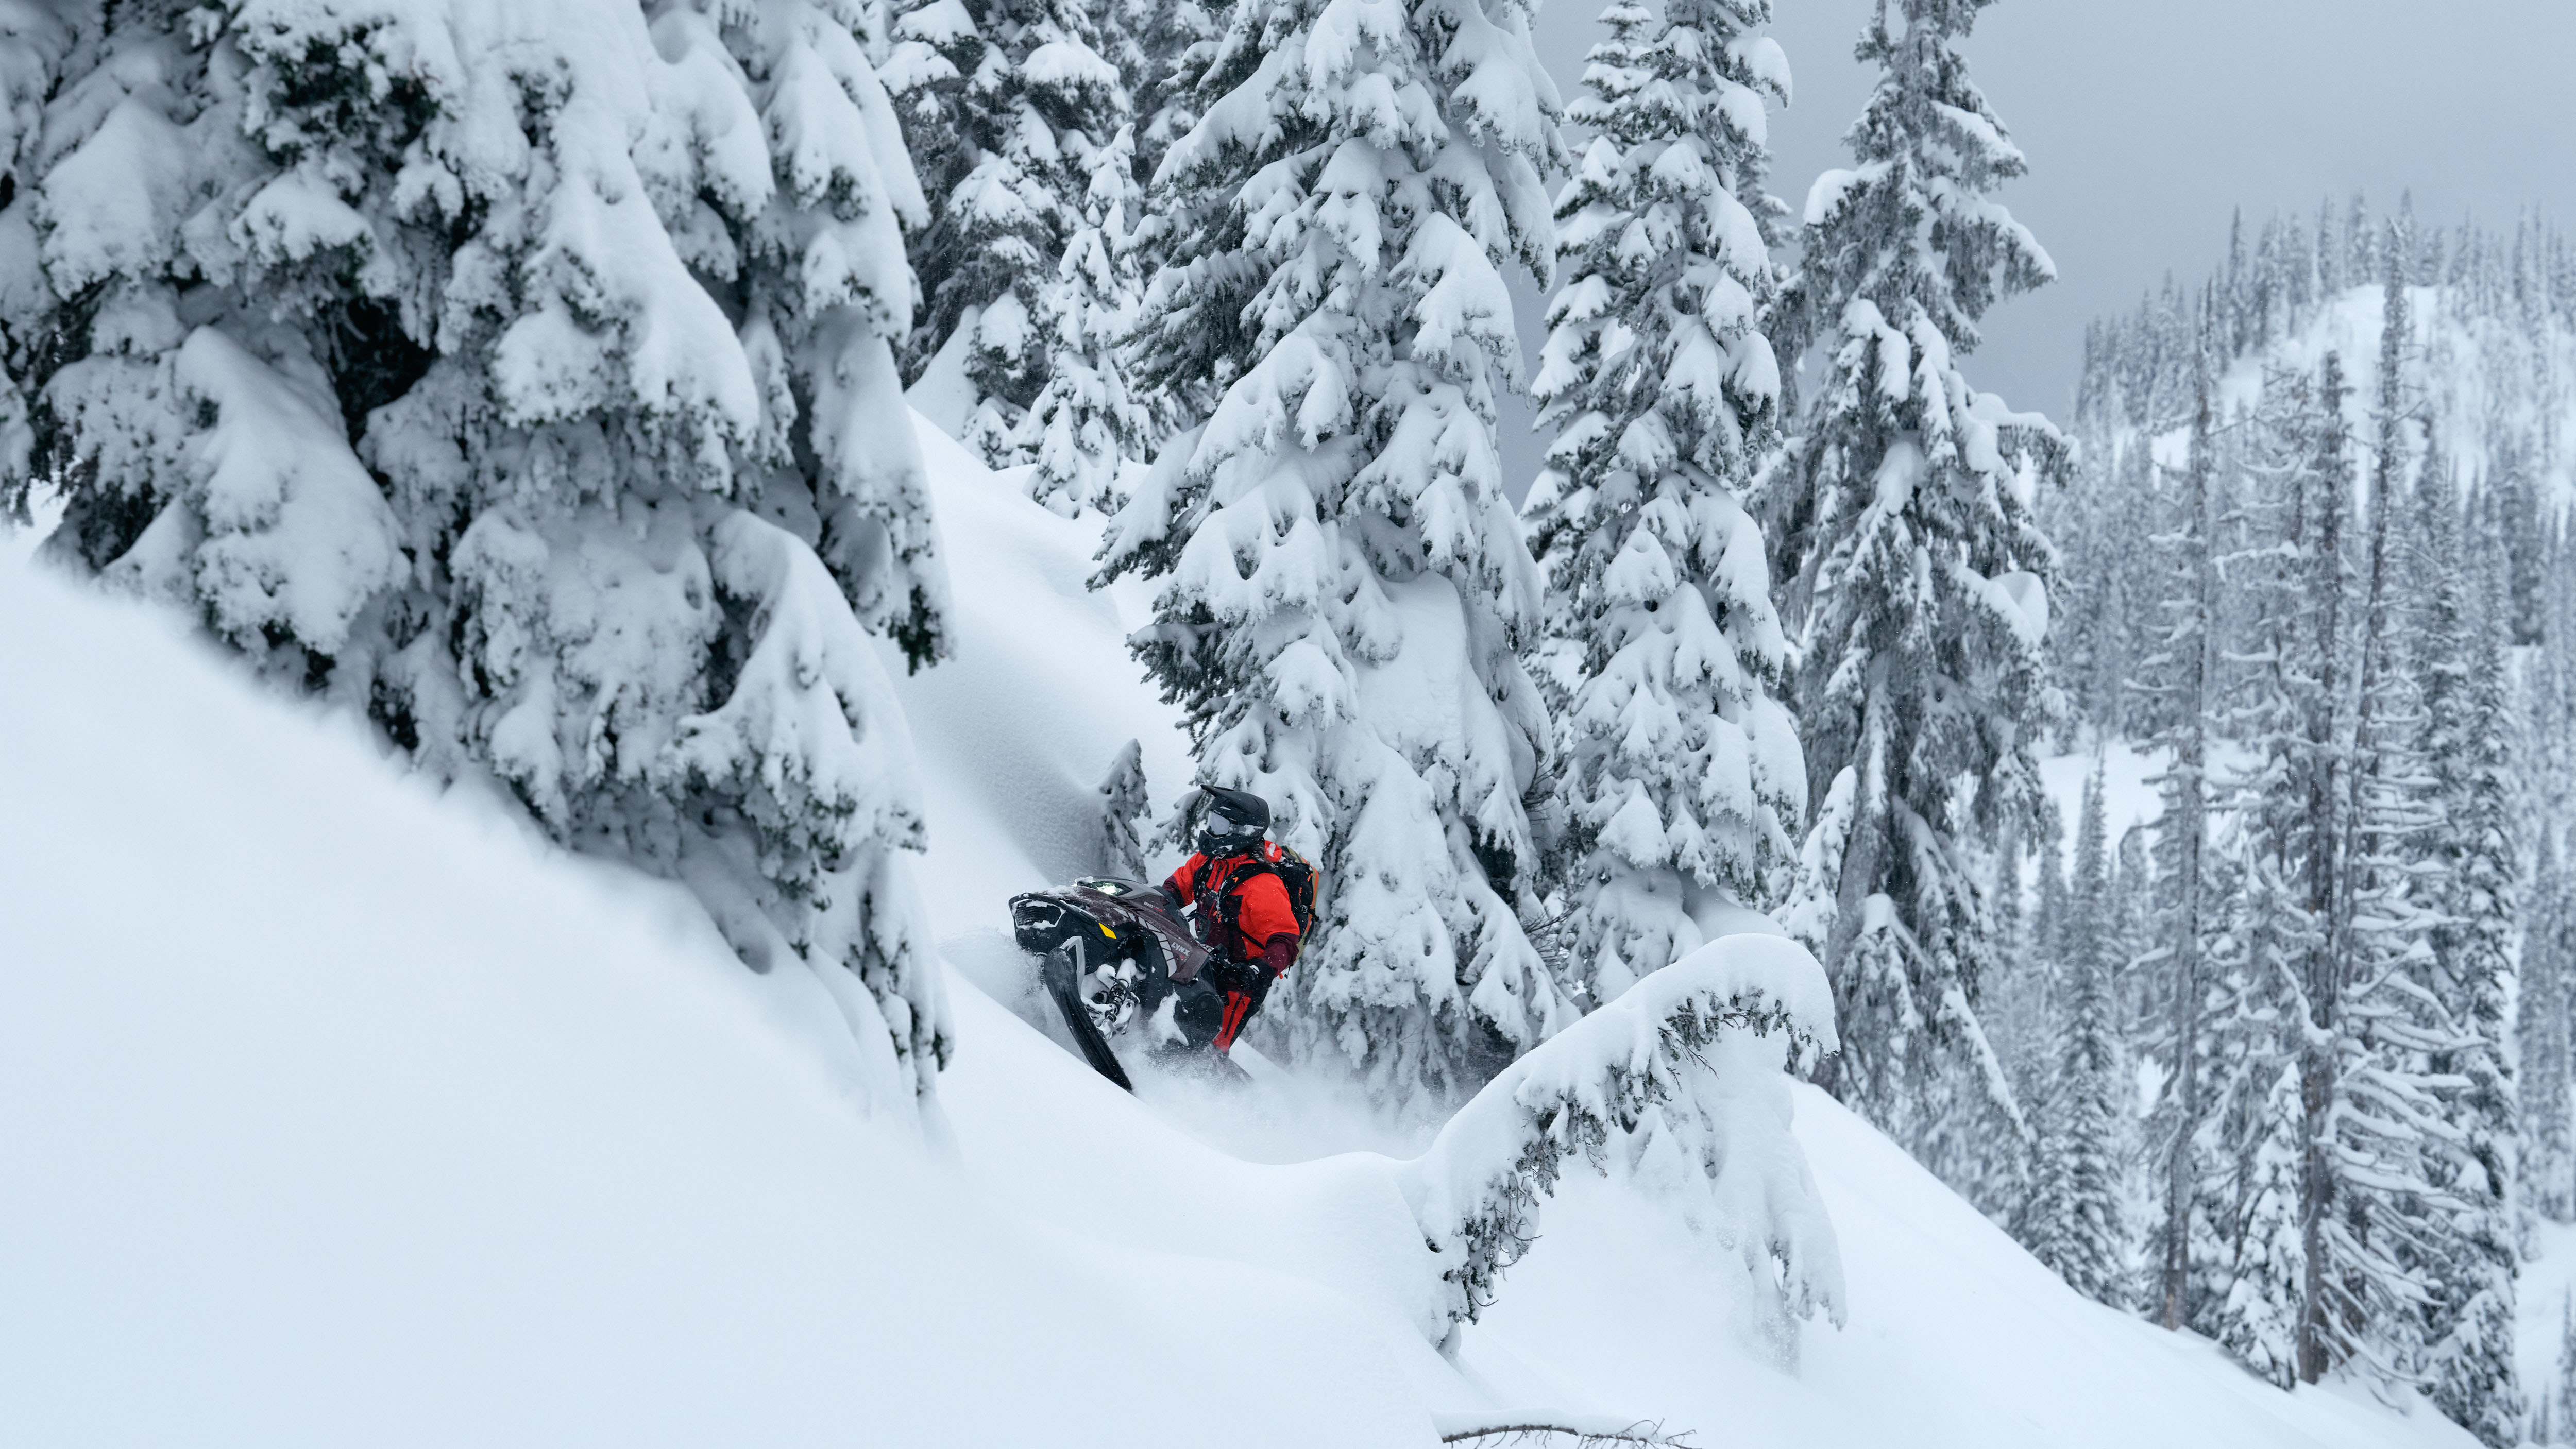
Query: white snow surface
[[337, 1112], [2129, 800], [2132, 798]]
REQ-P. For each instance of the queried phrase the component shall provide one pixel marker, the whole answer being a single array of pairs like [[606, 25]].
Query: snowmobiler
[[1188, 962], [1243, 891]]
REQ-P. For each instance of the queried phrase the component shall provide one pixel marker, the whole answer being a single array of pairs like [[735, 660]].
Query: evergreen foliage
[[2470, 851], [2368, 1112], [2073, 1220], [2548, 1135], [1124, 805], [2365, 1133], [1084, 422], [1344, 588], [530, 381], [1008, 107], [1682, 1080], [2248, 1258], [2182, 673], [1163, 46], [1917, 583], [520, 376], [2500, 362], [1682, 780]]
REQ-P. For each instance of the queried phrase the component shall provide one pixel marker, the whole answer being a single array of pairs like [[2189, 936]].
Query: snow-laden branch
[[1555, 1431], [1695, 1050]]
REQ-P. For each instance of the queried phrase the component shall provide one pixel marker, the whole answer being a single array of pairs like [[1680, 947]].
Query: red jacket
[[1260, 914]]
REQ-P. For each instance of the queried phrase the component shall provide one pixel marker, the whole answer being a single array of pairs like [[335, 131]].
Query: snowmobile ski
[[1062, 972]]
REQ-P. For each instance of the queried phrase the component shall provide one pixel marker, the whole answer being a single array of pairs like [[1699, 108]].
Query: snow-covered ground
[[2128, 798], [334, 1112], [2131, 798]]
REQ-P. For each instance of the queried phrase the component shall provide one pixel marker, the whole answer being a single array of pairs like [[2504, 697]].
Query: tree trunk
[[1862, 851]]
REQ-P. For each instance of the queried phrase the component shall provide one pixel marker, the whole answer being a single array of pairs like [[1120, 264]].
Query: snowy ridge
[[2492, 346], [380, 1121], [2489, 368]]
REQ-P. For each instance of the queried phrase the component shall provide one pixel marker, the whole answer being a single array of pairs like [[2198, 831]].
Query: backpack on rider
[[1254, 903]]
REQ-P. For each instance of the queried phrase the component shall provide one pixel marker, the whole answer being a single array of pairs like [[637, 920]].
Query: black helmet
[[1234, 822]]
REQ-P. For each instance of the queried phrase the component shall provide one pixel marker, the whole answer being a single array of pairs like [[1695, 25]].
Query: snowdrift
[[335, 1113]]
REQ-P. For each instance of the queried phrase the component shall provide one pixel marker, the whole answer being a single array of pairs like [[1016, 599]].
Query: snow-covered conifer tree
[[35, 41], [2183, 673], [2258, 1321], [1163, 47], [1917, 581], [2548, 713], [2133, 889], [2250, 1252], [1124, 804], [2331, 259], [1083, 422], [520, 375], [1682, 777], [1164, 50], [2565, 1430], [2542, 1016], [2470, 1321], [2316, 843], [2373, 1119], [2231, 1034], [2026, 1016], [2073, 1220], [2018, 994], [1007, 105], [1345, 588], [1681, 1081], [2110, 582], [2361, 248]]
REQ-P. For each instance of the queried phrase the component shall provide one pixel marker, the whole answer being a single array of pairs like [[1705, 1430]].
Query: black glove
[[1239, 977]]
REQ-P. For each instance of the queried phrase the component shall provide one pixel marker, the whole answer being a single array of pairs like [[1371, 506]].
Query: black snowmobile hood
[[1122, 906]]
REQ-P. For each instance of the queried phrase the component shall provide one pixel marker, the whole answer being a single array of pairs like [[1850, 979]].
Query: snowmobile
[[1111, 954]]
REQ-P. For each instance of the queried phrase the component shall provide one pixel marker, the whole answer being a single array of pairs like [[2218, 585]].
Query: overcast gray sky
[[2146, 123]]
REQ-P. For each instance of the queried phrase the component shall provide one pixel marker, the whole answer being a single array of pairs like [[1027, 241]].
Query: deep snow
[[334, 1112]]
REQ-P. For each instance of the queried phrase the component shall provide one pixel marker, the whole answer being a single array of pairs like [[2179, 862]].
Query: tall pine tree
[[1917, 584], [2471, 1258], [1344, 585], [1084, 423], [2249, 1247], [2374, 1120], [2073, 1220], [2541, 1028], [1008, 106], [1682, 779], [2182, 673]]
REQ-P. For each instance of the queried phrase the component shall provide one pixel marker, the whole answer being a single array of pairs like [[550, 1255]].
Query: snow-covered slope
[[335, 1113]]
